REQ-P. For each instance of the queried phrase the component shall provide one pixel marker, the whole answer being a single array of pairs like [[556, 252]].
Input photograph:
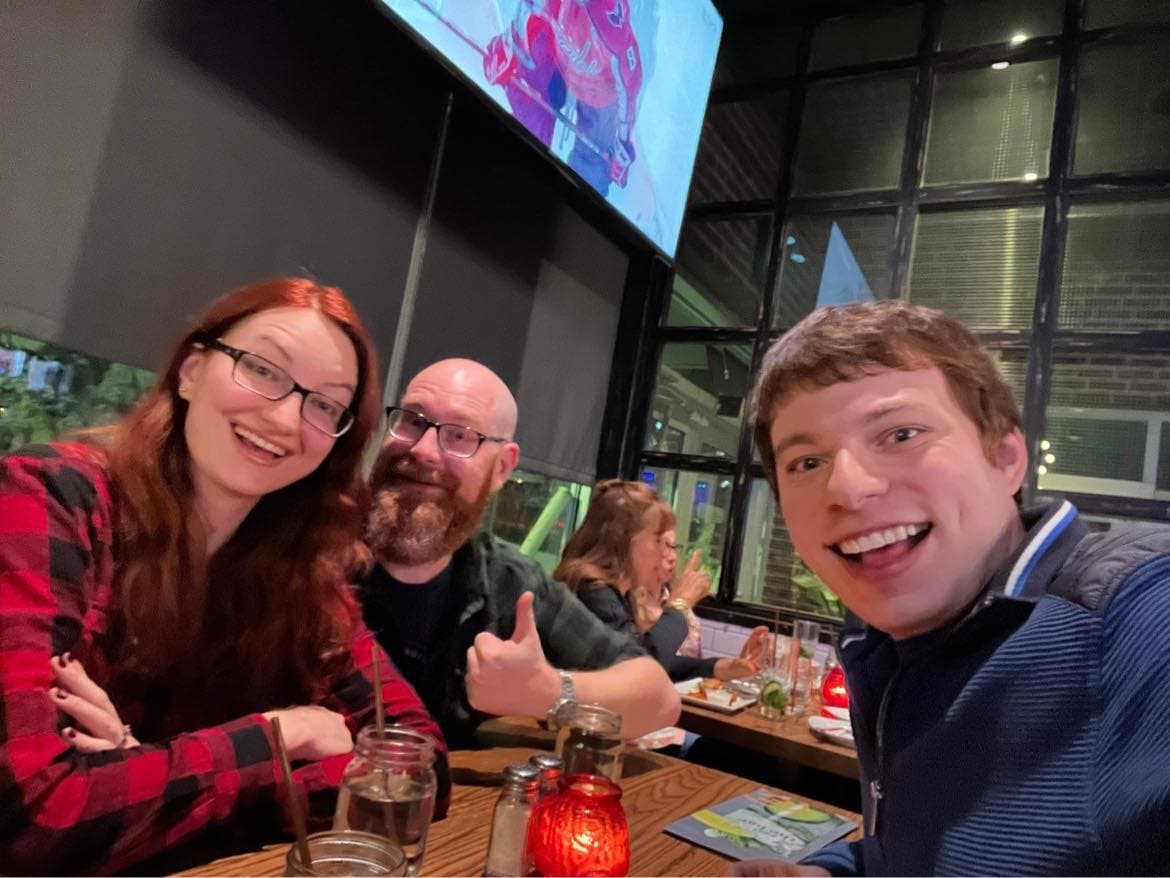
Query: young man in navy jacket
[[1008, 670]]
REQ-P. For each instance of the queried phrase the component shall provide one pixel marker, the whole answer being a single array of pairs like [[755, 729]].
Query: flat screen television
[[615, 90]]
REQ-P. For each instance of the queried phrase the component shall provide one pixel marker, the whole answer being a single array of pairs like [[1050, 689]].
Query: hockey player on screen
[[598, 64]]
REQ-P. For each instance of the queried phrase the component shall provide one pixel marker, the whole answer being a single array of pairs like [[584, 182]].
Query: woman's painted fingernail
[[69, 732], [67, 658], [60, 693]]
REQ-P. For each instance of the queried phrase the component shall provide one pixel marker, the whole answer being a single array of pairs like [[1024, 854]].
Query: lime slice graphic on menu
[[710, 818], [807, 815]]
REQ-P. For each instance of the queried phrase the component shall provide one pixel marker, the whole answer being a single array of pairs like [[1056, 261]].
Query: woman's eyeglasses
[[262, 377]]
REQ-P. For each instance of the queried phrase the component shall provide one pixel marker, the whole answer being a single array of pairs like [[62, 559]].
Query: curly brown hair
[[847, 342]]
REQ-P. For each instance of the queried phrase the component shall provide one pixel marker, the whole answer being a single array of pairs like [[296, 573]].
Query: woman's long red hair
[[253, 626]]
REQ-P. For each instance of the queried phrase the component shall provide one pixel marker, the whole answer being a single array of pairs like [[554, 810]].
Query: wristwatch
[[568, 696]]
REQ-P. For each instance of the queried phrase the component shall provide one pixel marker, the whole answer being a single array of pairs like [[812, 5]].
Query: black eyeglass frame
[[218, 344], [483, 437]]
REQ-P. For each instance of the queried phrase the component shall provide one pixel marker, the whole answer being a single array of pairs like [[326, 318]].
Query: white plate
[[835, 730], [721, 699]]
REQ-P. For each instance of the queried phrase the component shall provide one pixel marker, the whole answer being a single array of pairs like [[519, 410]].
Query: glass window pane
[[701, 502], [991, 124], [1108, 13], [722, 265], [1123, 123], [698, 398], [770, 571], [852, 135], [1117, 267], [968, 23], [1106, 421], [831, 261], [537, 513], [752, 54], [739, 153], [860, 39], [47, 391], [979, 266]]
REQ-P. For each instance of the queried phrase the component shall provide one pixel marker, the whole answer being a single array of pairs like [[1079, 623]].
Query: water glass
[[589, 740], [801, 650], [347, 853], [388, 789]]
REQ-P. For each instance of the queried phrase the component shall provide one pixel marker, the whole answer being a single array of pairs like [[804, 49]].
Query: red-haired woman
[[184, 573]]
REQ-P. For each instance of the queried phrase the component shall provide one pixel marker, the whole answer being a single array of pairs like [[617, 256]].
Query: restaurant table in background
[[787, 738], [652, 799]]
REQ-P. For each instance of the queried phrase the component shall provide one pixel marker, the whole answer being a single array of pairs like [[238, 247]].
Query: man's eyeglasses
[[254, 373], [455, 440]]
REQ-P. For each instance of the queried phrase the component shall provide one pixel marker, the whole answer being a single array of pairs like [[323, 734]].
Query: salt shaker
[[508, 846], [551, 768]]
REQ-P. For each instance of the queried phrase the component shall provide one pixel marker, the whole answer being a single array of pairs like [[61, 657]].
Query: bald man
[[475, 626]]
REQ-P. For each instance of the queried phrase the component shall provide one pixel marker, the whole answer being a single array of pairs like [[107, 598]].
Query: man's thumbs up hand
[[512, 676]]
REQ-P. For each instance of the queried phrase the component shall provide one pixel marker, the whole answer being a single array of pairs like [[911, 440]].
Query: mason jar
[[388, 789], [589, 740]]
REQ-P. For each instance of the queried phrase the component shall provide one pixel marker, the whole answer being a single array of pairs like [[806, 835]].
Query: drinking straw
[[379, 708], [294, 803]]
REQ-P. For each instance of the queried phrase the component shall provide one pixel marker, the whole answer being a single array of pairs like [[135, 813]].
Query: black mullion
[[1112, 506], [699, 463], [1012, 193], [733, 534], [1035, 49], [743, 335], [1127, 34], [912, 157], [845, 202], [1038, 377], [1074, 341], [1119, 185]]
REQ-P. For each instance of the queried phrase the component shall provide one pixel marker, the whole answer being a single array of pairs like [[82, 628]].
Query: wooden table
[[458, 844], [787, 738]]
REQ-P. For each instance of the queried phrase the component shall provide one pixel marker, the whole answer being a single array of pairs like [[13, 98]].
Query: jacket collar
[[1053, 531]]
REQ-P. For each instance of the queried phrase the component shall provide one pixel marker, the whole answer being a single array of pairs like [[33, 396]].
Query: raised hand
[[692, 584], [97, 725], [760, 647], [512, 676]]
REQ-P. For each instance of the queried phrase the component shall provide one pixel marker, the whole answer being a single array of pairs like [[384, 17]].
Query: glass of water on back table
[[389, 789]]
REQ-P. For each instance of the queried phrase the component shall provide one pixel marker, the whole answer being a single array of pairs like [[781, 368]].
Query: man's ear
[[506, 461], [189, 372], [1010, 457]]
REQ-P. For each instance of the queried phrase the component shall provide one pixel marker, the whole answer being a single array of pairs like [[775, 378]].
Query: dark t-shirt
[[408, 619]]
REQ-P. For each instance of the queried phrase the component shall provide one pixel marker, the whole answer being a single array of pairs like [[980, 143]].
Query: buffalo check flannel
[[65, 811]]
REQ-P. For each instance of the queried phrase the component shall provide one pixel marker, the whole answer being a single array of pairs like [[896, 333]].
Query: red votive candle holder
[[833, 691], [582, 830]]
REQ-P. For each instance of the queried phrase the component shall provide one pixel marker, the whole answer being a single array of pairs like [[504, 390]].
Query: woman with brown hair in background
[[184, 572], [617, 551]]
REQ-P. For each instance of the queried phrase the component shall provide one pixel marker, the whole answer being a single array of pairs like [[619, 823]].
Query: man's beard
[[408, 524]]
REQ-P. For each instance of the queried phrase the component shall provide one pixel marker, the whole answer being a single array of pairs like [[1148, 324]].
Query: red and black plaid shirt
[[65, 811]]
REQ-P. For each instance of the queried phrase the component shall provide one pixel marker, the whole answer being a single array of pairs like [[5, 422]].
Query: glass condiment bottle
[[508, 846], [589, 740], [582, 830], [389, 787]]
